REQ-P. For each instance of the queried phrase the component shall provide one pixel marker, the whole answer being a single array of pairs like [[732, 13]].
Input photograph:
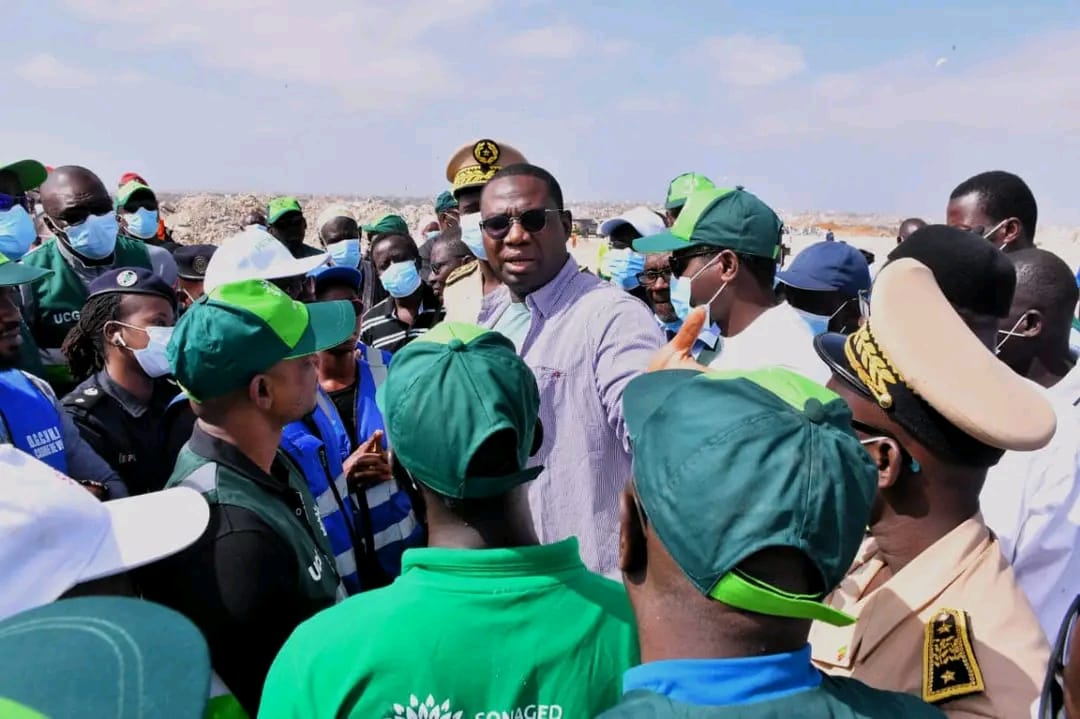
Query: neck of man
[[911, 524], [745, 309], [487, 275], [1049, 366], [255, 439], [132, 379], [480, 535], [337, 370], [689, 627], [412, 302]]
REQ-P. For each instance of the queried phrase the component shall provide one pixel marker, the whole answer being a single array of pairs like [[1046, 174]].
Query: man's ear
[[1011, 230], [567, 222], [727, 266], [1032, 324], [632, 542], [888, 458], [259, 392], [111, 330]]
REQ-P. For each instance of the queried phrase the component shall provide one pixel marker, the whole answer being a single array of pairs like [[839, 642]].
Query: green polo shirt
[[527, 631]]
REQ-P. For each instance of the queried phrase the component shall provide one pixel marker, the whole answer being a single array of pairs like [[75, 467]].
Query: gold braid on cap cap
[[872, 365], [474, 175]]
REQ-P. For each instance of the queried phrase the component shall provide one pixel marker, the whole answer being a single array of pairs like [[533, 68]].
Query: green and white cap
[[30, 173], [13, 274], [728, 464], [732, 219], [244, 328], [281, 206], [447, 393], [683, 186]]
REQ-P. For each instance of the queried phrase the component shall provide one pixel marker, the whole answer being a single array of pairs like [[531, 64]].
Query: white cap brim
[[275, 271], [147, 528]]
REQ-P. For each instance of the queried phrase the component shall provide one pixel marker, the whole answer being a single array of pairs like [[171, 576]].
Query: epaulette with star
[[950, 669]]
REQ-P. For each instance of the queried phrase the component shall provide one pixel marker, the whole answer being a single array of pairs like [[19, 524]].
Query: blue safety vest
[[319, 452], [30, 420]]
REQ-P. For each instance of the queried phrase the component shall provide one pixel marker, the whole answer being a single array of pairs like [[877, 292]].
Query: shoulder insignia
[[464, 271], [949, 666]]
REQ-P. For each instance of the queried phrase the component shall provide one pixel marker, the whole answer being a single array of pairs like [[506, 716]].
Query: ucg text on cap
[[732, 219], [449, 390], [769, 459]]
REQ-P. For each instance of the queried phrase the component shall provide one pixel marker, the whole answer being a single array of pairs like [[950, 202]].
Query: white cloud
[[750, 61], [554, 42], [47, 71], [372, 54]]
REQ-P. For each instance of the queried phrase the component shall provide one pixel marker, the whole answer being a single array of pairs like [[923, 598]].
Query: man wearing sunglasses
[[724, 249], [940, 614], [87, 243], [584, 340], [997, 205], [823, 284]]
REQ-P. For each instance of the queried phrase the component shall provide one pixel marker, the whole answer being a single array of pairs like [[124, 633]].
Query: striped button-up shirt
[[586, 341]]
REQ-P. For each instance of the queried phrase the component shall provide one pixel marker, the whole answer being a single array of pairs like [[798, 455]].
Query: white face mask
[[152, 358]]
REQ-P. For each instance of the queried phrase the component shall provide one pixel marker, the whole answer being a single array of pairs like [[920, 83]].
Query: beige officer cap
[[475, 163]]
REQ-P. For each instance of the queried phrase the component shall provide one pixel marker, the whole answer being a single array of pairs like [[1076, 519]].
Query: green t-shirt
[[514, 323], [491, 633], [834, 698]]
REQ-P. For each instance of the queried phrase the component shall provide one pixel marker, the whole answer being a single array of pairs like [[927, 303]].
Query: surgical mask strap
[[1009, 333], [914, 466]]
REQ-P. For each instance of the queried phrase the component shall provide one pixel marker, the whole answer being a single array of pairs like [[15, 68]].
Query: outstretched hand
[[677, 354]]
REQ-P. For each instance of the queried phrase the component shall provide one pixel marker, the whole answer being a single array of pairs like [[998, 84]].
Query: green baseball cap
[[388, 224], [732, 219], [281, 206], [102, 657], [30, 173], [128, 189], [445, 201], [685, 185], [447, 392], [14, 273], [727, 464], [243, 328]]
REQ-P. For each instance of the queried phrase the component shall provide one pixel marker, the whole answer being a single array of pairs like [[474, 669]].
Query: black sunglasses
[[679, 263], [498, 226]]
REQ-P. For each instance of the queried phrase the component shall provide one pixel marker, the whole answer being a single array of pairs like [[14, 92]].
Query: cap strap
[[740, 590]]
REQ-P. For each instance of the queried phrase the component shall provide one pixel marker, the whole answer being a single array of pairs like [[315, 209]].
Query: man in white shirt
[[724, 248], [1032, 499]]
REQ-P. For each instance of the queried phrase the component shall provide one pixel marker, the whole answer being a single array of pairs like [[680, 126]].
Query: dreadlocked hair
[[84, 345]]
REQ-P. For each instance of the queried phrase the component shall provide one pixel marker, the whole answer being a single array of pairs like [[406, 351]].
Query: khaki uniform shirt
[[463, 293], [952, 627]]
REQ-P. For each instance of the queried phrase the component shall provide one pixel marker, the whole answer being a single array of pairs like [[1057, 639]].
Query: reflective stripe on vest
[[31, 421], [321, 463]]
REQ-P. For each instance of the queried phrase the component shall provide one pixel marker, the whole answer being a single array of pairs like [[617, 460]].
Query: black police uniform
[[123, 431]]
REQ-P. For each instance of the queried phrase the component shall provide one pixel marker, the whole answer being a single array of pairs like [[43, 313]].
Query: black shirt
[[345, 402], [381, 329], [122, 430], [237, 583]]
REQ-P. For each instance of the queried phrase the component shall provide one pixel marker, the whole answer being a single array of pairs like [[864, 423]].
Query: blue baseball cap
[[828, 267]]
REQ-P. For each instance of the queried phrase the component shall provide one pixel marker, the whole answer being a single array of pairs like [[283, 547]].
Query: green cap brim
[[740, 590], [675, 204], [16, 273], [664, 242], [329, 324], [124, 193], [30, 173]]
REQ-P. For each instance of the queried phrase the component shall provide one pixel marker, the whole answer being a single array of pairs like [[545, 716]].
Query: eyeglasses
[[498, 226], [651, 277], [9, 201], [678, 263]]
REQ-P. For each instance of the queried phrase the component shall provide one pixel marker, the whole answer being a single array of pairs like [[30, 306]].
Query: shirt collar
[[130, 403], [546, 299], [221, 452], [717, 682], [511, 561]]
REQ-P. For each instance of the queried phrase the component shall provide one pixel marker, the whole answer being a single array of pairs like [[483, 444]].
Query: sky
[[860, 106]]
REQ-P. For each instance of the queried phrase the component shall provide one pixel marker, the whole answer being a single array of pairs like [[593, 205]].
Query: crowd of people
[[448, 472]]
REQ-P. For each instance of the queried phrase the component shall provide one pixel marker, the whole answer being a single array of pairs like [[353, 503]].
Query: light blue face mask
[[472, 236], [345, 253], [622, 266], [680, 294], [818, 324], [142, 223], [401, 279], [669, 326], [17, 232], [94, 237], [433, 234]]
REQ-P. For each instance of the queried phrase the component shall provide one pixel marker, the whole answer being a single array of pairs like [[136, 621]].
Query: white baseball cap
[[255, 254], [642, 219], [56, 534]]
